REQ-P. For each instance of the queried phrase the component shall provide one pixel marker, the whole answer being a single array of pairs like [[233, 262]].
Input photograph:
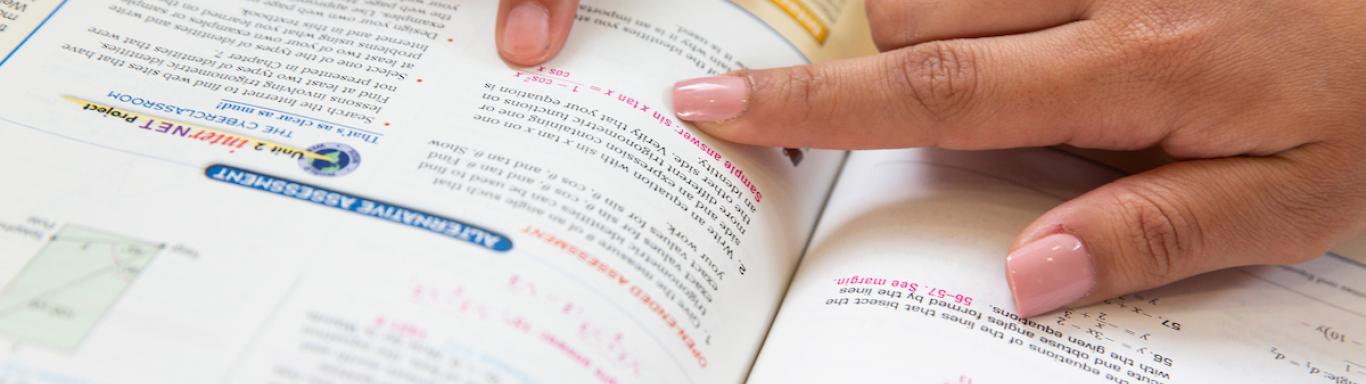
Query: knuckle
[[1157, 35], [1160, 234], [942, 79], [1163, 50], [805, 94]]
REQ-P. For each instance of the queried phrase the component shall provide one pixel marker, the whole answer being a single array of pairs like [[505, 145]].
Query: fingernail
[[1050, 273], [526, 34], [711, 98]]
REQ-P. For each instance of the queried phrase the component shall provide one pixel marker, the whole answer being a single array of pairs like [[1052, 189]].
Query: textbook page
[[361, 191], [905, 281]]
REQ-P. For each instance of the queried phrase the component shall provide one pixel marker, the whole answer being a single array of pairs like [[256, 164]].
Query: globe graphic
[[332, 161]]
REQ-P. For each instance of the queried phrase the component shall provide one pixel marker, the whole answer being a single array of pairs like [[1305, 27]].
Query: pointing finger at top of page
[[531, 32]]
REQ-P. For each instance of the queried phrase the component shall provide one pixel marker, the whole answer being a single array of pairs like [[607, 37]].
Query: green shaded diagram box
[[60, 295]]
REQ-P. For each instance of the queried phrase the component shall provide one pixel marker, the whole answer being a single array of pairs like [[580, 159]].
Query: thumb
[[531, 32], [1182, 220]]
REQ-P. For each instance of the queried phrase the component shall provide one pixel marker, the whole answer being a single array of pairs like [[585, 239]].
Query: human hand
[[1265, 100], [531, 32]]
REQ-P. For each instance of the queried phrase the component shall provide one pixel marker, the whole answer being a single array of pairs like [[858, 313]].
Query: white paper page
[[905, 282], [361, 191]]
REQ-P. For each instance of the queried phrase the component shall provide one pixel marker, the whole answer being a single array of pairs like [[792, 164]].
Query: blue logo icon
[[337, 160]]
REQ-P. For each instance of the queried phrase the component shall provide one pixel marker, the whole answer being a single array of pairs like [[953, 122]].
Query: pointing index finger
[[989, 93], [531, 32]]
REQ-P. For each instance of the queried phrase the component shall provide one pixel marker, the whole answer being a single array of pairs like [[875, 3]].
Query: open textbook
[[360, 191]]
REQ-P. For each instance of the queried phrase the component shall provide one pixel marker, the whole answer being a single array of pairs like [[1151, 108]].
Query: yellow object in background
[[823, 30], [803, 15]]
